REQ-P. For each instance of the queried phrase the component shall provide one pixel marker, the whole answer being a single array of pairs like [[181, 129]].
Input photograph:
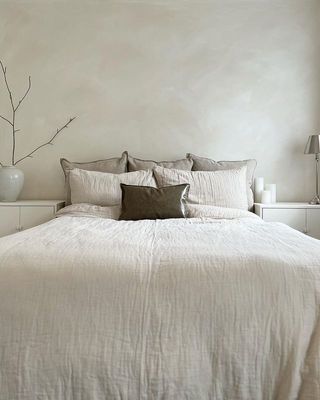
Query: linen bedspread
[[202, 308]]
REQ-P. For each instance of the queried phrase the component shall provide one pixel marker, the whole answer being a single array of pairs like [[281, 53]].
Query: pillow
[[213, 212], [142, 202], [206, 164], [117, 165], [226, 188], [102, 188], [91, 210], [136, 164]]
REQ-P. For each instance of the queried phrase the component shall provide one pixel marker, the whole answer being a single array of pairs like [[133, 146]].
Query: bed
[[218, 307]]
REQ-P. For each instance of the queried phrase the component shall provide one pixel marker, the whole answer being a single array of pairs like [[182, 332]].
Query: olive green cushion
[[145, 202]]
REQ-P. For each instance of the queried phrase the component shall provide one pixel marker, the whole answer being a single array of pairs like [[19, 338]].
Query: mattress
[[225, 307]]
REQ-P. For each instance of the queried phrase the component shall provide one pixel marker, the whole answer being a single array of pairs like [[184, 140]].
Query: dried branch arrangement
[[12, 121]]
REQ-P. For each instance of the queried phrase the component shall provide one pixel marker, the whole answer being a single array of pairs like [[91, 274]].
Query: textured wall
[[225, 79]]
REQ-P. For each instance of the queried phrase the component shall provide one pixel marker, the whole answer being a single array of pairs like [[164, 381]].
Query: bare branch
[[4, 70], [12, 123], [13, 137], [5, 119], [50, 142], [1, 165], [25, 95]]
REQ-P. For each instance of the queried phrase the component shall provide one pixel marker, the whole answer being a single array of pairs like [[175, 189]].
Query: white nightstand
[[301, 216], [23, 214]]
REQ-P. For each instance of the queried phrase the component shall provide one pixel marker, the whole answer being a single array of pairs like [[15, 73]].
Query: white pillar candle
[[273, 189], [266, 197], [258, 189]]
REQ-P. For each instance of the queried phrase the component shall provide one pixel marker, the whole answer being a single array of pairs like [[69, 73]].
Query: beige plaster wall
[[225, 79]]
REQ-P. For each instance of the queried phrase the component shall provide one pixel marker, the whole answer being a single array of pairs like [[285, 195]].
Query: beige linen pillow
[[226, 188], [207, 164], [136, 164], [116, 165], [90, 210], [102, 188]]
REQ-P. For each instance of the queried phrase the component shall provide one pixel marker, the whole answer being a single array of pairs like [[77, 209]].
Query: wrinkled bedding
[[219, 307]]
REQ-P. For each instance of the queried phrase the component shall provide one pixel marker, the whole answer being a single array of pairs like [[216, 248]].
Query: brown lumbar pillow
[[145, 202]]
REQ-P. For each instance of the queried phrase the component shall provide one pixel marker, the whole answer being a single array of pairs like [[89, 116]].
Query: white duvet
[[225, 307]]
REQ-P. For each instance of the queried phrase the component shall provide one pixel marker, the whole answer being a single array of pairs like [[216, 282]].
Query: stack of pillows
[[145, 189]]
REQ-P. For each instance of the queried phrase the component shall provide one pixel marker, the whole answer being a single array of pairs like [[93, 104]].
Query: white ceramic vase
[[11, 183]]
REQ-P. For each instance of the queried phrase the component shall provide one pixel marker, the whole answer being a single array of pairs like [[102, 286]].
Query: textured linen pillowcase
[[207, 164], [90, 210], [142, 202], [102, 188], [226, 188], [136, 164], [116, 165]]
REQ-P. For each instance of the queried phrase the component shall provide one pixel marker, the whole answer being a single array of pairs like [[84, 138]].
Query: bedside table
[[23, 214], [301, 216]]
